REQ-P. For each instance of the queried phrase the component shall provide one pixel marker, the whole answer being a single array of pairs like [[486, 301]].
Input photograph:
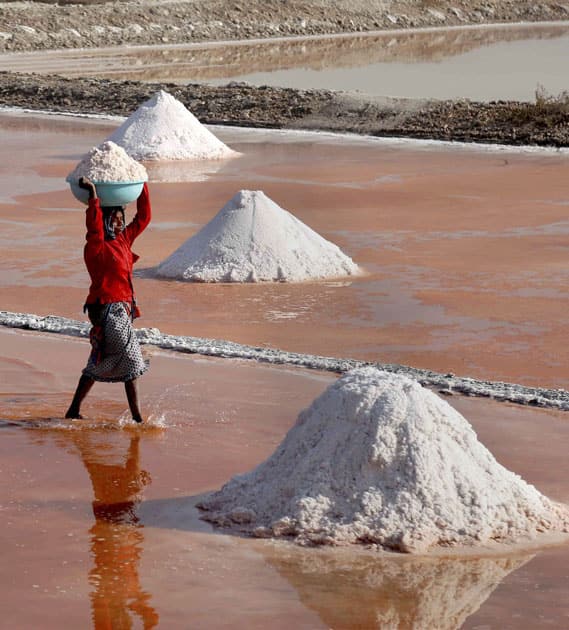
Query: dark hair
[[108, 212], [112, 209]]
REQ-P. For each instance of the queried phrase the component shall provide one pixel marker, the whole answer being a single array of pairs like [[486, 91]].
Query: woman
[[115, 354]]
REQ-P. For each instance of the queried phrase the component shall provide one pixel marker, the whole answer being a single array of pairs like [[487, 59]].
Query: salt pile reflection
[[391, 592]]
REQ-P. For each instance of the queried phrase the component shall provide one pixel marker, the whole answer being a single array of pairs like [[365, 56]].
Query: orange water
[[464, 251], [99, 518]]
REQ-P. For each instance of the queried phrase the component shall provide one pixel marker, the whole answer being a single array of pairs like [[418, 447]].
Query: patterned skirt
[[115, 352]]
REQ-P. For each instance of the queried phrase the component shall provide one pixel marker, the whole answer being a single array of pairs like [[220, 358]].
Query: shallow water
[[463, 249], [480, 63], [99, 517], [465, 254]]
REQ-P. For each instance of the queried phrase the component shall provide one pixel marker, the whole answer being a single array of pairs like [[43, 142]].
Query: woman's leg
[[132, 397], [83, 388]]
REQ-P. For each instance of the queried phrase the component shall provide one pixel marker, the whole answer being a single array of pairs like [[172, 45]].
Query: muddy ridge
[[545, 123]]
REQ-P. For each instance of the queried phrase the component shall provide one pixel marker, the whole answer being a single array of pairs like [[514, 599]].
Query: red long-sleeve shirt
[[110, 263]]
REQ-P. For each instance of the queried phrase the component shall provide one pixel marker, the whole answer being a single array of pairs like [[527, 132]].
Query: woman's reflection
[[117, 536]]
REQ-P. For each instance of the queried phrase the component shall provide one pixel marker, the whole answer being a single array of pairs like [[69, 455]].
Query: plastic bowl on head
[[109, 193]]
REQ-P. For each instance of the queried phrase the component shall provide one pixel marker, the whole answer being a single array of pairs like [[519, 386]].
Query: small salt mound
[[163, 129], [252, 239], [379, 459], [109, 163]]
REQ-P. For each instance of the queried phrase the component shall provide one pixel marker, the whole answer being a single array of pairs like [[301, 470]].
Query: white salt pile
[[109, 163], [163, 129], [379, 459], [252, 239]]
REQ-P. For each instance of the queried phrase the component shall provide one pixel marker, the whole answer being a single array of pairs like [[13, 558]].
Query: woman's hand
[[87, 184]]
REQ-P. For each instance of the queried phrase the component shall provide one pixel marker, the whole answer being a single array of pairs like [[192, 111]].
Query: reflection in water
[[117, 597], [223, 61], [364, 590], [184, 170]]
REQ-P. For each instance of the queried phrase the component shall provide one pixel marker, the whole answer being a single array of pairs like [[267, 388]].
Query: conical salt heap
[[379, 459], [252, 239], [163, 129]]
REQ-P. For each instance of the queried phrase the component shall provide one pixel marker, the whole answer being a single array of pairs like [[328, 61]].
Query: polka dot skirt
[[121, 359]]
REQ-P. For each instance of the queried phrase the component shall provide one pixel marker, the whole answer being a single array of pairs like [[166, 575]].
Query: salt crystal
[[252, 239], [108, 163], [162, 128], [379, 459]]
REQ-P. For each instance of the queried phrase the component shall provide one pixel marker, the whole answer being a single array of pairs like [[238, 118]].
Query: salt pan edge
[[446, 383]]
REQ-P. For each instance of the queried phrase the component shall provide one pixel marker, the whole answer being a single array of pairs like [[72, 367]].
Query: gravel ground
[[241, 104], [32, 26], [40, 25]]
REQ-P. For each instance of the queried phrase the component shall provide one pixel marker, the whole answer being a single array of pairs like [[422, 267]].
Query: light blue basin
[[109, 193]]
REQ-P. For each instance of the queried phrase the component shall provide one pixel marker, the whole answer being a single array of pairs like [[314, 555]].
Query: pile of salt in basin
[[108, 163]]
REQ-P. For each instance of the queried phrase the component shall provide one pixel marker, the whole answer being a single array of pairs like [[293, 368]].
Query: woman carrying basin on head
[[111, 306]]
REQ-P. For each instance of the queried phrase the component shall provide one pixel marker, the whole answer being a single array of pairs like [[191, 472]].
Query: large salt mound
[[252, 239], [163, 129], [379, 459]]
